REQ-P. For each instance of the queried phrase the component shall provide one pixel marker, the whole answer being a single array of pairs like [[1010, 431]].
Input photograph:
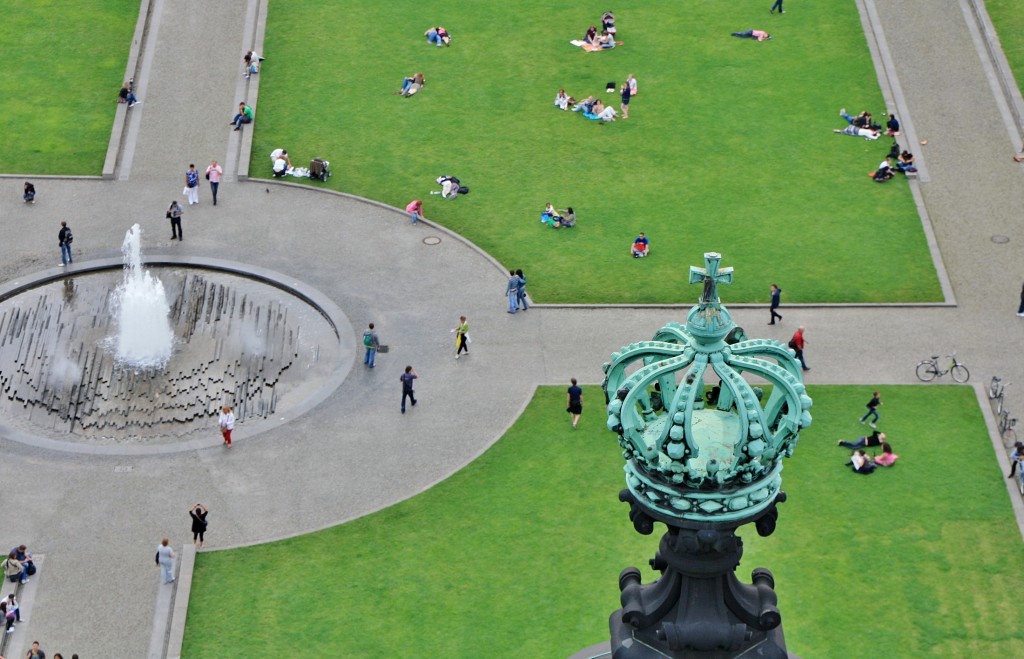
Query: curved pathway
[[97, 518]]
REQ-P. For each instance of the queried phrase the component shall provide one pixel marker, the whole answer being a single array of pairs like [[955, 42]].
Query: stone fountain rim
[[331, 312]]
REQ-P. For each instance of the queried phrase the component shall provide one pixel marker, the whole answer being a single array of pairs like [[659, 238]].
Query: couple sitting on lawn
[[555, 219], [594, 109]]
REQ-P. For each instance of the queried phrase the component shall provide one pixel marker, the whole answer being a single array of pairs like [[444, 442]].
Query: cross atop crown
[[711, 276]]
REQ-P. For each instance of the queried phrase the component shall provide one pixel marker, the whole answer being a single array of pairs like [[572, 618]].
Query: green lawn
[[64, 64], [1008, 19], [728, 147], [518, 554]]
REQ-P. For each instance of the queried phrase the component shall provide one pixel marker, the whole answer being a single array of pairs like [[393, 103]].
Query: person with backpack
[[371, 342], [796, 344], [64, 238]]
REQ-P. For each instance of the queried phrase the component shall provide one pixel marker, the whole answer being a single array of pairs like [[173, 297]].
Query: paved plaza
[[97, 517]]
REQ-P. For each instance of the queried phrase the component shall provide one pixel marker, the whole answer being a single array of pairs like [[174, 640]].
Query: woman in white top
[[226, 420]]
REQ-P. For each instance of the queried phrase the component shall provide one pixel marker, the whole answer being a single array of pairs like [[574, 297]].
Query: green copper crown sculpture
[[703, 463], [700, 457]]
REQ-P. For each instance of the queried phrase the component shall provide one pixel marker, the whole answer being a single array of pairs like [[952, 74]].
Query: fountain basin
[[268, 345]]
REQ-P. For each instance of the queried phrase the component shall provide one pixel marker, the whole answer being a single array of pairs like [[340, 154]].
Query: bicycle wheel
[[960, 373], [926, 371], [1009, 437]]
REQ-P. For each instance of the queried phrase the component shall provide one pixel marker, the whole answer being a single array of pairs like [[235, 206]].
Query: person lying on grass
[[412, 84], [760, 35], [586, 105], [866, 133], [438, 35], [861, 462]]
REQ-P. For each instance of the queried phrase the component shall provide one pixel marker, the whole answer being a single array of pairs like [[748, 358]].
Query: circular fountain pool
[[269, 348]]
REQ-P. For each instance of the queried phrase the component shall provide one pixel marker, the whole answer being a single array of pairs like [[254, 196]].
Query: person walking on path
[[872, 406], [64, 238], [213, 174], [415, 210], [35, 652], [165, 561], [174, 215], [371, 342], [226, 421], [191, 184], [512, 291], [574, 402], [198, 514], [521, 291], [776, 300], [797, 344], [461, 337], [1020, 309], [777, 5], [30, 193], [407, 391]]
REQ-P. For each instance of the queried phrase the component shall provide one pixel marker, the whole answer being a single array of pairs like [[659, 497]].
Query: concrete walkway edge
[[121, 116], [176, 628]]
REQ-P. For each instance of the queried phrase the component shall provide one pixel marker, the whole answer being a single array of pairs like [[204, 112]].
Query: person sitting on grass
[[887, 458], [641, 247], [760, 35], [562, 100], [280, 161], [604, 42], [591, 35], [412, 84], [568, 218], [550, 216], [127, 94], [884, 171], [245, 116], [30, 193], [601, 112], [861, 463], [892, 126], [854, 131]]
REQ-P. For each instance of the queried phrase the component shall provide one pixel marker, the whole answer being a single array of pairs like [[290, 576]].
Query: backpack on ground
[[319, 169]]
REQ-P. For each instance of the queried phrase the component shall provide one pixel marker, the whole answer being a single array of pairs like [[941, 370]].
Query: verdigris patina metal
[[704, 461]]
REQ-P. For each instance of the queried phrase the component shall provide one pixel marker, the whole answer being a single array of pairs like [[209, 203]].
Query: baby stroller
[[319, 169]]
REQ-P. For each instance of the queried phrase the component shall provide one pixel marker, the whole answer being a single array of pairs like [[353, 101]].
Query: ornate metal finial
[[711, 276], [696, 449]]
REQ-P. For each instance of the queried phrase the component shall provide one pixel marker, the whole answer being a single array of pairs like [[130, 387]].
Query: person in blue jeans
[[872, 406], [777, 5], [64, 238], [521, 291], [874, 439], [512, 291], [371, 342]]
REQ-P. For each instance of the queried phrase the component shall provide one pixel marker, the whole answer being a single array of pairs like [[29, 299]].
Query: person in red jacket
[[797, 343]]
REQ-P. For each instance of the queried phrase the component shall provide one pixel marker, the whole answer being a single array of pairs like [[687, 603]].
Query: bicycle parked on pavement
[[996, 392], [929, 369], [1006, 424]]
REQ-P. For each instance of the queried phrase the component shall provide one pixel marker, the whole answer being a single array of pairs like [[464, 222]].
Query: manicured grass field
[[728, 146], [1008, 19], [518, 554], [63, 67]]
